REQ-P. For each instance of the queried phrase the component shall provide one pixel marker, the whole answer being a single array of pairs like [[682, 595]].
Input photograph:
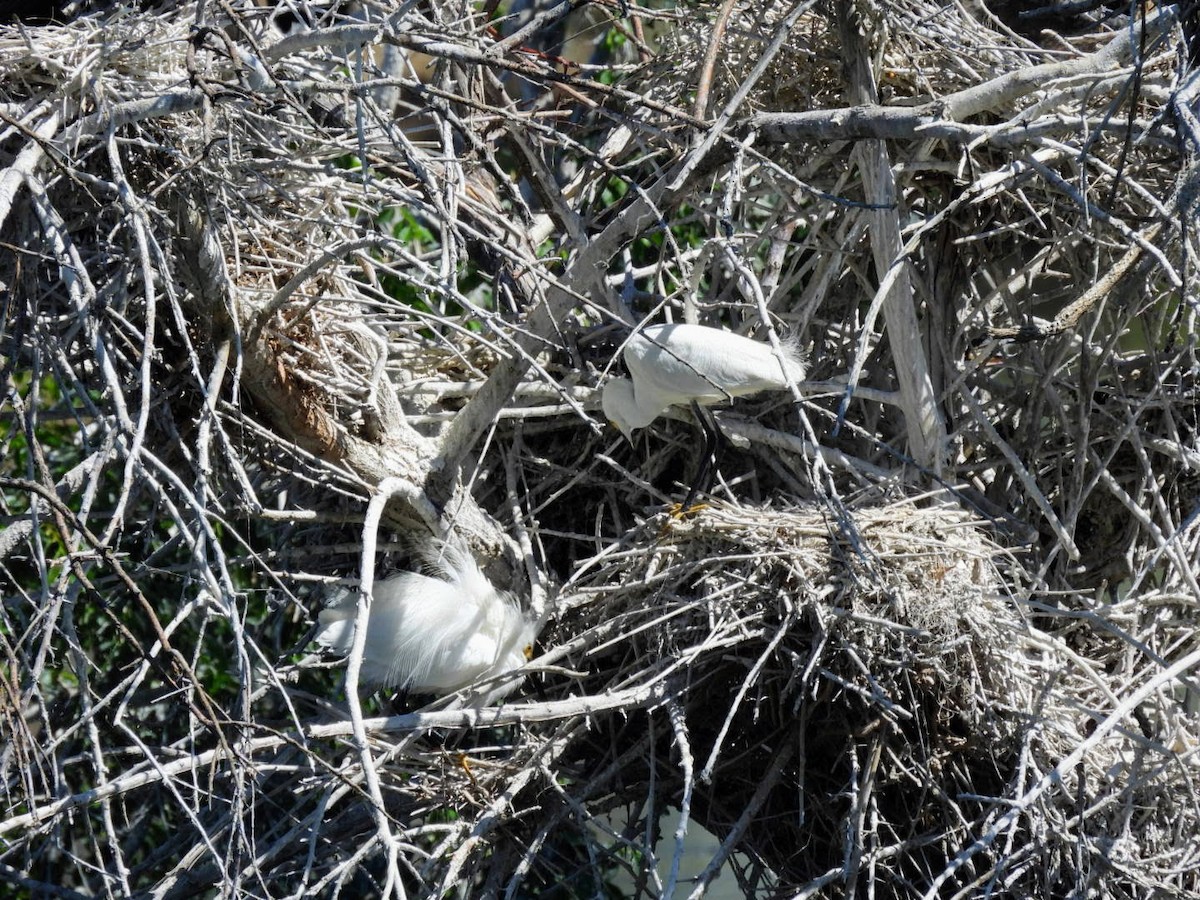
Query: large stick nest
[[934, 635]]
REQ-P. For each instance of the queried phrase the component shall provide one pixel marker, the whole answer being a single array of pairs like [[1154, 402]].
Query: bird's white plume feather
[[438, 634]]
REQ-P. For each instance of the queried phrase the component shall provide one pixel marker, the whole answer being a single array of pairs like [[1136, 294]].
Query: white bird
[[681, 365], [435, 635], [676, 365]]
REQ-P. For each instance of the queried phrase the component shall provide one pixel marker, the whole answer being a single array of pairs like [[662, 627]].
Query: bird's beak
[[528, 651]]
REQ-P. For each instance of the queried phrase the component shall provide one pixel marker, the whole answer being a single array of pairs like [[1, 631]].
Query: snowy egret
[[435, 635], [682, 365]]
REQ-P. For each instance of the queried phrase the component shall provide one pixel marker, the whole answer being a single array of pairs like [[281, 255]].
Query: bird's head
[[618, 403]]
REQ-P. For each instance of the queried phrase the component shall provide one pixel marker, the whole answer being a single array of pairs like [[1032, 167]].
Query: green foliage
[[400, 223], [611, 44]]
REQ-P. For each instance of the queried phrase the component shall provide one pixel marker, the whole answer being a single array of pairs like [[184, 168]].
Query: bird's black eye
[[528, 651]]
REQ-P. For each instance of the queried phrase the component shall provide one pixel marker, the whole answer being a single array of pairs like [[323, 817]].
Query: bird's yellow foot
[[465, 762], [676, 512]]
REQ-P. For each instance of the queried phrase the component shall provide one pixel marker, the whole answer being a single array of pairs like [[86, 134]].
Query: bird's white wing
[[388, 654], [451, 634], [430, 635], [686, 362]]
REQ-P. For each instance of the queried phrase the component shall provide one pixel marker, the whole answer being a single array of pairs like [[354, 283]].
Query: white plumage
[[435, 635], [674, 365]]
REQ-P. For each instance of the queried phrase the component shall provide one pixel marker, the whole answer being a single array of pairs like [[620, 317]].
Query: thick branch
[[926, 429], [940, 119]]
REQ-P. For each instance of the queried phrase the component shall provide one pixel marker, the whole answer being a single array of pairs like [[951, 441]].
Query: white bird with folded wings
[[676, 365]]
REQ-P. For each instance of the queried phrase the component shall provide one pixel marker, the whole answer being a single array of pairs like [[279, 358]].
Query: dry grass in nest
[[760, 619]]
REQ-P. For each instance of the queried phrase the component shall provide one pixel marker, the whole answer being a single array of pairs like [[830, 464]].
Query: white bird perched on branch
[[435, 635], [682, 365]]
